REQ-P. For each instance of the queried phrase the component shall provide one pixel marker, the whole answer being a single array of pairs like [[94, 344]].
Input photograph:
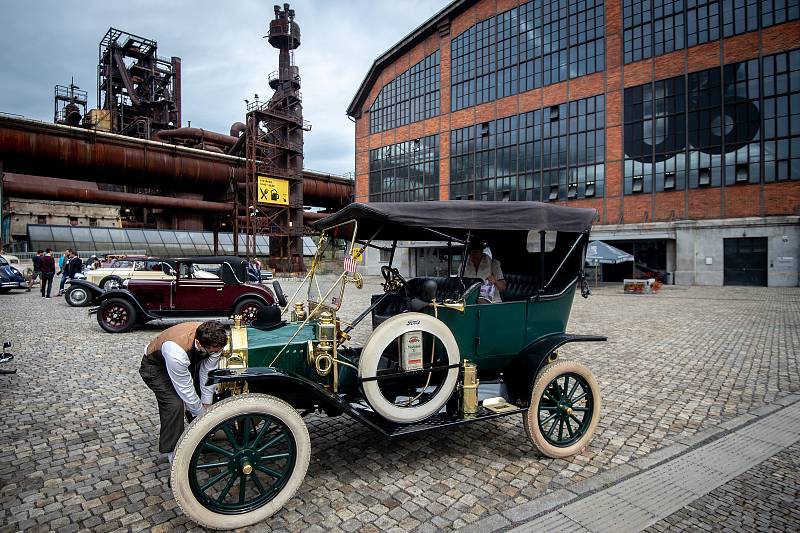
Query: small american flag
[[349, 265]]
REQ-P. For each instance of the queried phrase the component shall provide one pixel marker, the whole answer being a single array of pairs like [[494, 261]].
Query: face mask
[[200, 349]]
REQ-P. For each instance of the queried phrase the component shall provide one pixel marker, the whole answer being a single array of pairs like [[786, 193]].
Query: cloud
[[225, 58]]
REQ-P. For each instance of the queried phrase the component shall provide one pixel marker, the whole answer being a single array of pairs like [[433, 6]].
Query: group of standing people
[[44, 266]]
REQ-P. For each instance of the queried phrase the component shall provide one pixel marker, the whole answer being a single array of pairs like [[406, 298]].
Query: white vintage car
[[122, 269], [146, 268]]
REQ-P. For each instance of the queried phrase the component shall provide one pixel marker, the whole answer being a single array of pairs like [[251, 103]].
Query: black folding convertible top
[[413, 221]]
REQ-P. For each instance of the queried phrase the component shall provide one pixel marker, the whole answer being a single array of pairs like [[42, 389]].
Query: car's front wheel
[[240, 462], [77, 296], [248, 308], [564, 409], [116, 315]]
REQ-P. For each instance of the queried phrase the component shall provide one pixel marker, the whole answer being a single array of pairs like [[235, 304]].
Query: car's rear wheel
[[564, 409], [248, 308], [116, 315], [110, 282], [240, 462], [77, 296], [4, 290]]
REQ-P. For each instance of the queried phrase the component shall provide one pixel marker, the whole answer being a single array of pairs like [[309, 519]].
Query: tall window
[[781, 113], [551, 154], [410, 97], [655, 27], [535, 44], [721, 126], [779, 11], [405, 172]]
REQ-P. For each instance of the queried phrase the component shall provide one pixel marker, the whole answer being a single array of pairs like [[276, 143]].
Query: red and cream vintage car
[[203, 287]]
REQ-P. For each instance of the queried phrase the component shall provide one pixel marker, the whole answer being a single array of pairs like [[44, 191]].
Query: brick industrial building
[[679, 121]]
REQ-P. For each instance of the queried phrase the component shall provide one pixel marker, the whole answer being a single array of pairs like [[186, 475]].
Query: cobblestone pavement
[[764, 498], [78, 437]]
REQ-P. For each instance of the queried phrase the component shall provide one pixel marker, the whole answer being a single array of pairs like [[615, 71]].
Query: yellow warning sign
[[272, 191]]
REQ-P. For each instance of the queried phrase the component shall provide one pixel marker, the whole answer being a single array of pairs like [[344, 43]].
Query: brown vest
[[181, 334]]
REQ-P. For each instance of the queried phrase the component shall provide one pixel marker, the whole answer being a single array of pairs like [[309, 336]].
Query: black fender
[[521, 373], [299, 392], [253, 296], [94, 289], [125, 295]]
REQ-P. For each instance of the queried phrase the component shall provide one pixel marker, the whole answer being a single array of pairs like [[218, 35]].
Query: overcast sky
[[225, 58]]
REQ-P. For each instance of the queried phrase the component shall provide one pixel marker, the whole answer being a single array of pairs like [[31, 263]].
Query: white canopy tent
[[601, 253]]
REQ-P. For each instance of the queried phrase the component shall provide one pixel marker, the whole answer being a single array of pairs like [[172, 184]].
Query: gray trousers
[[170, 405]]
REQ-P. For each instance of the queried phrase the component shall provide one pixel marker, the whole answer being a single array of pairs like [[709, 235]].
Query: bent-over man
[[175, 367]]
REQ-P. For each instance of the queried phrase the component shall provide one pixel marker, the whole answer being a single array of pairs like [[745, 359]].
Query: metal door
[[745, 261]]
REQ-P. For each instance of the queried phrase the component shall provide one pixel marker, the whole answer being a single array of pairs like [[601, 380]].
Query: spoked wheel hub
[[565, 409], [249, 313], [116, 315], [246, 467]]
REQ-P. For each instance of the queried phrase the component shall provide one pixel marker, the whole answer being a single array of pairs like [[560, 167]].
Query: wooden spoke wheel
[[240, 462], [564, 409]]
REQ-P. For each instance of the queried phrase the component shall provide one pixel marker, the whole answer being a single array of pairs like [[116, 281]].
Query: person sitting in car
[[480, 265]]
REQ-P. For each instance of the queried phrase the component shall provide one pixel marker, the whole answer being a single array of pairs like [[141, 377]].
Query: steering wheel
[[394, 281]]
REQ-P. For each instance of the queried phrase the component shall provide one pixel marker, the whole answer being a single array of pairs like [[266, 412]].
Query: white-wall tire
[[538, 433], [256, 404], [385, 334]]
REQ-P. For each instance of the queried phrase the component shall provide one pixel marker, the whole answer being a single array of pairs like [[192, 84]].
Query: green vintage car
[[436, 356]]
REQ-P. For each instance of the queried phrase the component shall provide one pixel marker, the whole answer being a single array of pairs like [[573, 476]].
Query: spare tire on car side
[[110, 282]]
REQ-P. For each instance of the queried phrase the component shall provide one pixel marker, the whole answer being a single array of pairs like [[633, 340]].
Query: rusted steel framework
[[69, 104], [274, 149], [139, 89]]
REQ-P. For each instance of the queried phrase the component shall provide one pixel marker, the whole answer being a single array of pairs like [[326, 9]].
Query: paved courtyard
[[79, 428]]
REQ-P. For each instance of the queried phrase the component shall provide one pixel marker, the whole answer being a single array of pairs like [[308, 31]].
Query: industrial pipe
[[96, 196], [54, 150], [37, 190], [198, 135], [237, 128]]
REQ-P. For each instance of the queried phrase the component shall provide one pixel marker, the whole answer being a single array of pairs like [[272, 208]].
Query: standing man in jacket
[[175, 367], [72, 265], [47, 265], [63, 263], [37, 269]]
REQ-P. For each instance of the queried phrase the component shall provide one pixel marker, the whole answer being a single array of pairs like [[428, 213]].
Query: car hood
[[10, 273]]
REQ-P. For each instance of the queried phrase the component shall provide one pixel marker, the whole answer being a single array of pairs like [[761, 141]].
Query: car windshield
[[3, 262], [333, 263]]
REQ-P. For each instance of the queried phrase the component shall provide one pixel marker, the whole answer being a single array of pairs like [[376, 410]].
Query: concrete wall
[[24, 212], [691, 242], [700, 243]]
